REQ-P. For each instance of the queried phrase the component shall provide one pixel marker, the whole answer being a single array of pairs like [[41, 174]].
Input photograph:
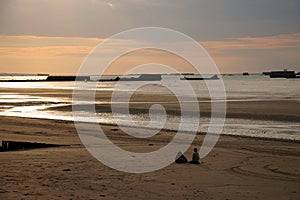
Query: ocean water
[[238, 88]]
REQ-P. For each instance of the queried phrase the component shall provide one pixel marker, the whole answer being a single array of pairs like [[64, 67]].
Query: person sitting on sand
[[196, 157], [180, 158]]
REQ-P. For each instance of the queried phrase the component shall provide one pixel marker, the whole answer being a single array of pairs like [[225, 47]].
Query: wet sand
[[237, 168], [287, 110]]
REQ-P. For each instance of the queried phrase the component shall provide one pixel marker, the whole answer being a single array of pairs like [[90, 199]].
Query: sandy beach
[[237, 168]]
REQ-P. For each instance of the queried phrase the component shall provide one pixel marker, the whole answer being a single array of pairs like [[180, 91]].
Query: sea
[[238, 89]]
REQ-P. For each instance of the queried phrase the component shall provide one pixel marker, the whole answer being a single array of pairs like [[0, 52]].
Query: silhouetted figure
[[196, 157], [180, 158]]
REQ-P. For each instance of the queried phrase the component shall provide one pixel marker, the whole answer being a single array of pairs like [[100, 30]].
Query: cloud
[[110, 4], [56, 53], [278, 42], [32, 47], [256, 54], [44, 41], [42, 52], [201, 19]]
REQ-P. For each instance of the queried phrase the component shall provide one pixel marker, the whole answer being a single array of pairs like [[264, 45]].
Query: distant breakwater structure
[[132, 77], [49, 79], [135, 77], [282, 74]]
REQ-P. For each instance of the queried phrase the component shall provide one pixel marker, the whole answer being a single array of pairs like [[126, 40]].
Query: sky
[[55, 36]]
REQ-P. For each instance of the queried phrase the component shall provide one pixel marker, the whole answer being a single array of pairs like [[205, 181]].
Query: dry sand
[[237, 168]]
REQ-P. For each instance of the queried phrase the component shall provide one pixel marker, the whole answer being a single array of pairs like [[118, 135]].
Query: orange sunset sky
[[51, 36]]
